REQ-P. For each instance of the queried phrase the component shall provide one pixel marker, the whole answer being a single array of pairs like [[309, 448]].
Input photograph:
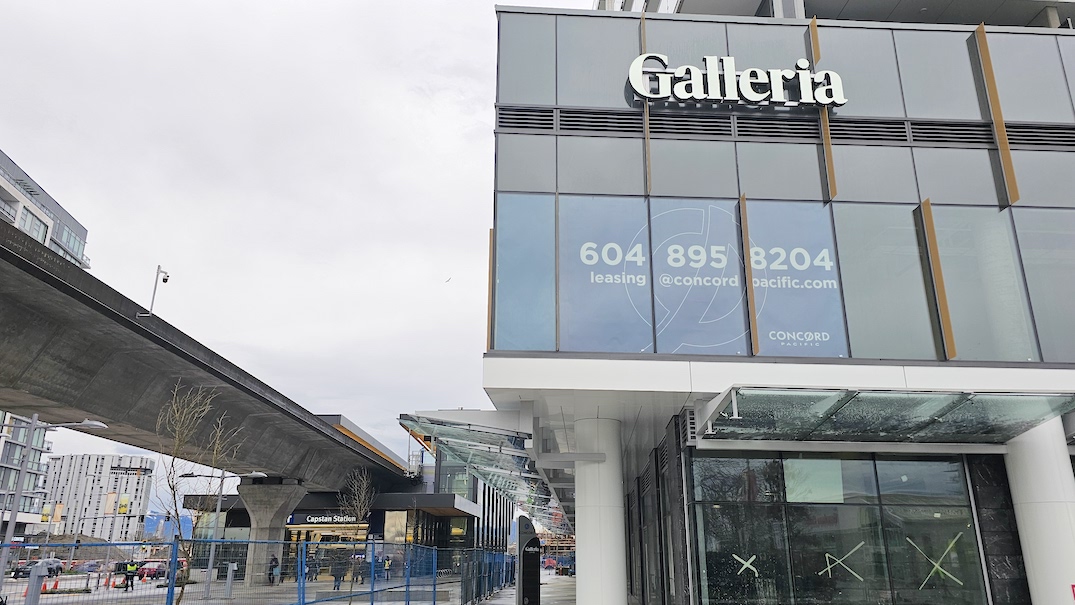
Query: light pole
[[216, 519], [156, 280], [24, 465]]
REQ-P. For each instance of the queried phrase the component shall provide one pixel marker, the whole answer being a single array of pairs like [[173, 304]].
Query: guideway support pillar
[[1043, 492], [269, 506], [600, 546]]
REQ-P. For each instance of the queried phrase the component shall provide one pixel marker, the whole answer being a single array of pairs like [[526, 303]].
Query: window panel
[[1030, 78], [525, 304], [796, 283], [1047, 243], [736, 478], [937, 65], [692, 168], [837, 555], [863, 56], [959, 176], [525, 162], [874, 174], [825, 479], [743, 554], [600, 165], [593, 56], [885, 297], [605, 294], [779, 171], [527, 60], [1044, 177], [984, 283], [921, 481], [699, 297], [933, 555]]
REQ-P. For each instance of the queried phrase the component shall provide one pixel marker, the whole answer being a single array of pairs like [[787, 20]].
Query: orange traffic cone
[[25, 590], [56, 584], [113, 583], [44, 586], [143, 579]]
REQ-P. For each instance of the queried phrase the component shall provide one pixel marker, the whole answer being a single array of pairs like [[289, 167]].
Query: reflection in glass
[[605, 294], [743, 554], [1012, 56], [1045, 177], [837, 554], [692, 168], [885, 416], [887, 305], [869, 173], [986, 418], [593, 54], [940, 65], [958, 176], [796, 283], [788, 414], [826, 479], [984, 282], [525, 162], [921, 481], [527, 59], [779, 171], [699, 297], [1047, 243], [599, 165], [735, 478], [863, 55], [933, 555], [525, 295]]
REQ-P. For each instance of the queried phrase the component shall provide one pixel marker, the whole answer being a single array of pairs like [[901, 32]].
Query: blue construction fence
[[254, 572]]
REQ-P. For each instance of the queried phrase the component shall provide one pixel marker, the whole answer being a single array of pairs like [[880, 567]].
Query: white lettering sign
[[720, 82]]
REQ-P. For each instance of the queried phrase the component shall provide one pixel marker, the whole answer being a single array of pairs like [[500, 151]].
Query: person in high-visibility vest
[[387, 568], [129, 574]]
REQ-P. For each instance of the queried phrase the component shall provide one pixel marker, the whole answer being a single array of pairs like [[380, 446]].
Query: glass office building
[[786, 303]]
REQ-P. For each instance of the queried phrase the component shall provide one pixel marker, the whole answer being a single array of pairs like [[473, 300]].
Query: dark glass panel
[[933, 555], [830, 480], [921, 481], [722, 477], [837, 555], [742, 552]]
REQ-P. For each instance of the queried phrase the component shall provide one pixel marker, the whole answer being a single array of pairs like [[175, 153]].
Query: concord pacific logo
[[720, 82]]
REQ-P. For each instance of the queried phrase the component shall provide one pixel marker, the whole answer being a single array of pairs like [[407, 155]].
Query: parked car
[[55, 568], [153, 570], [88, 566]]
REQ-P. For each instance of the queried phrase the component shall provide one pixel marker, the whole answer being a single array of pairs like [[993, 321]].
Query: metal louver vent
[[687, 431], [701, 124], [647, 479], [662, 456], [600, 120], [532, 118], [869, 130], [968, 133], [1041, 135], [777, 128]]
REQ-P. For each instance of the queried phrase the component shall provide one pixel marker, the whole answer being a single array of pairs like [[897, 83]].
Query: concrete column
[[269, 506], [1043, 491], [1048, 17], [600, 545]]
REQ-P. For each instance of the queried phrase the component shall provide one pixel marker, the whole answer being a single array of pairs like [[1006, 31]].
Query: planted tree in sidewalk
[[356, 500], [191, 434]]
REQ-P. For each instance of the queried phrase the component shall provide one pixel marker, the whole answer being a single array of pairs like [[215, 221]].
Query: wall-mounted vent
[[963, 133], [692, 124], [596, 120], [687, 431], [646, 480], [777, 128], [529, 118], [867, 131], [1041, 135]]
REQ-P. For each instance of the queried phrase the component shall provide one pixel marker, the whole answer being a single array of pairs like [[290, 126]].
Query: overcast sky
[[315, 176]]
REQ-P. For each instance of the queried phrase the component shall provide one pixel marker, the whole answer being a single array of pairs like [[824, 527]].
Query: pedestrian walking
[[339, 570], [274, 570]]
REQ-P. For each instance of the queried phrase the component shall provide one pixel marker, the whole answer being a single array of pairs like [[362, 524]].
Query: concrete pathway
[[555, 590]]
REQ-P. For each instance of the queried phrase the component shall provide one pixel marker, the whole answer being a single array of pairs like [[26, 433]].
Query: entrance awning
[[746, 413], [499, 458]]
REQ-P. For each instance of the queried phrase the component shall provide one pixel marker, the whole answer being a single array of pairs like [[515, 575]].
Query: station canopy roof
[[499, 458], [879, 416]]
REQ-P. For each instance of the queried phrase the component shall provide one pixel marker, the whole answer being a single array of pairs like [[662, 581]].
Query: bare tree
[[356, 500], [189, 436]]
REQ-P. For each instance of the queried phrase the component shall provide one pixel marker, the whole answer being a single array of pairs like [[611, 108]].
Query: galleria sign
[[719, 82]]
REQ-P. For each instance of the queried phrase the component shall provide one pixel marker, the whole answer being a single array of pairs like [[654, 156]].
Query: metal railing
[[254, 572]]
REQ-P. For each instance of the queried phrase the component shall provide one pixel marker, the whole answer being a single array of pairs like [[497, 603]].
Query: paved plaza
[[555, 590]]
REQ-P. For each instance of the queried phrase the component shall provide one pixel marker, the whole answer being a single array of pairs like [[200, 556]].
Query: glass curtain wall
[[814, 528]]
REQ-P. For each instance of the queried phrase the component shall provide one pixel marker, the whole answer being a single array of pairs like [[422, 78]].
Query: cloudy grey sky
[[316, 176]]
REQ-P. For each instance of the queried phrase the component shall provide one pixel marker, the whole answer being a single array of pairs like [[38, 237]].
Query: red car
[[153, 570]]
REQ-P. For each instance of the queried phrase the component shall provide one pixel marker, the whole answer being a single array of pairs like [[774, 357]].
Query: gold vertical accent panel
[[934, 256], [1000, 131], [815, 40], [748, 277], [489, 317], [830, 163]]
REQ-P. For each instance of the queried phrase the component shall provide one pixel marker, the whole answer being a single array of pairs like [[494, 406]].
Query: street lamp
[[24, 465], [156, 280], [216, 519]]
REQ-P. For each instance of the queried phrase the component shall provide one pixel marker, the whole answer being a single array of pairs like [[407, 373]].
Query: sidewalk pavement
[[555, 590]]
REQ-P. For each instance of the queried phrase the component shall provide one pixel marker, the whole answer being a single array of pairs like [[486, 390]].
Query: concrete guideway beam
[[1043, 493], [269, 506], [600, 545]]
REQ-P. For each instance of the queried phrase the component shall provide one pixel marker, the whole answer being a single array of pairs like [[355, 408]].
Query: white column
[[600, 546], [1043, 491]]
